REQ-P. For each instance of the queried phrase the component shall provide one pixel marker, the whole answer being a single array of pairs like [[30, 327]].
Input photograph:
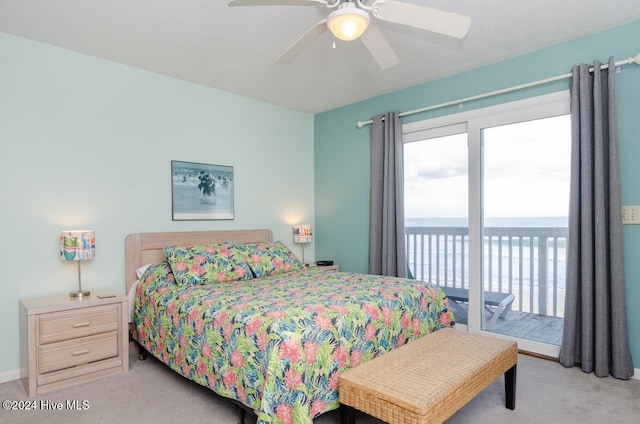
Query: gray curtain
[[595, 322], [387, 255]]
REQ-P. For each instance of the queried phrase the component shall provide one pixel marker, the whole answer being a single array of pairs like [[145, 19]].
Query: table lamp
[[302, 235], [78, 245]]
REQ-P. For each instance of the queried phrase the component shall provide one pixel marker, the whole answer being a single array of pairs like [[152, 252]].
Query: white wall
[[87, 143]]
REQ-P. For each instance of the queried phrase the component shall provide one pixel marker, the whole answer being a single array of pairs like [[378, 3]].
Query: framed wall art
[[201, 191]]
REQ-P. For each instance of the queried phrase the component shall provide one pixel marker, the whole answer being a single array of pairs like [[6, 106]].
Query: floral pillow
[[270, 258], [160, 275], [153, 278], [207, 263]]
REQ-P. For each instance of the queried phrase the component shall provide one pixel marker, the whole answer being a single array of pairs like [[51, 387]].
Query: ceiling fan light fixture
[[348, 22]]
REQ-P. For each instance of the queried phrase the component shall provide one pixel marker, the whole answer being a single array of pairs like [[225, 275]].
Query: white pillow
[[140, 271]]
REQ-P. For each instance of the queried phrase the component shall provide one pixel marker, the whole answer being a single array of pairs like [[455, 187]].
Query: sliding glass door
[[525, 176], [486, 201], [436, 210]]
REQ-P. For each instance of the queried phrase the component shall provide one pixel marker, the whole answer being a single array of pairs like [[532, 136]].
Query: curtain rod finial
[[360, 124], [635, 59]]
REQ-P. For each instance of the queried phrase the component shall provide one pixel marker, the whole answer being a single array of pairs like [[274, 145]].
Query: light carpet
[[151, 393]]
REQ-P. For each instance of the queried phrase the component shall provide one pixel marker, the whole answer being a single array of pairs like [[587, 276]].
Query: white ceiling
[[234, 48]]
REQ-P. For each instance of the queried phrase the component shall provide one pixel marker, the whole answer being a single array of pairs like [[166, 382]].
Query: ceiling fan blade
[[451, 24], [301, 43], [277, 3], [379, 47]]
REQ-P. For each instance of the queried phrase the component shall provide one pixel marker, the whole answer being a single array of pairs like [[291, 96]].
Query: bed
[[266, 331]]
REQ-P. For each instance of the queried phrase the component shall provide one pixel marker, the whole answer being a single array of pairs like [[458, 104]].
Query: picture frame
[[201, 191]]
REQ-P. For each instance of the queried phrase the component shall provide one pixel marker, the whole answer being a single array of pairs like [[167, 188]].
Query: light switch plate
[[631, 214]]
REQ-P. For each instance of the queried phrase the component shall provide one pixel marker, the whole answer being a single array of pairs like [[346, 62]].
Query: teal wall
[[87, 143], [342, 150]]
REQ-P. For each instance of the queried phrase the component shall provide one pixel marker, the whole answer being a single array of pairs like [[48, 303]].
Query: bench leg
[[510, 387], [347, 415]]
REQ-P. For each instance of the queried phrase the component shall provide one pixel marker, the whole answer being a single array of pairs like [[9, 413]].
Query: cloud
[[444, 170]]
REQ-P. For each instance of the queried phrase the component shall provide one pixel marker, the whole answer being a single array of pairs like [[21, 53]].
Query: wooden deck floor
[[540, 328]]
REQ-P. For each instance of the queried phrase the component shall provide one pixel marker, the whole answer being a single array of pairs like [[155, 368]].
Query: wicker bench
[[429, 379]]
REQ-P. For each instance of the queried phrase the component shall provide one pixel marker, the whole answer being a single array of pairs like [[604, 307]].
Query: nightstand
[[328, 268], [67, 341]]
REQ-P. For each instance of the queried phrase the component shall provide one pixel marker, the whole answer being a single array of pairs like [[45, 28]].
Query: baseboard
[[635, 376], [9, 376]]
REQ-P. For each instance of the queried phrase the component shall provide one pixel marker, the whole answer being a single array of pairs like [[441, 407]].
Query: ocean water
[[553, 221], [508, 265]]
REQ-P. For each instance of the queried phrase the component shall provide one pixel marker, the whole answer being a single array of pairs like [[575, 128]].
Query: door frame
[[472, 122]]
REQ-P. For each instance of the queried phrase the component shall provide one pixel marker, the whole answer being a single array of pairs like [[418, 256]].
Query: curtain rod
[[635, 59]]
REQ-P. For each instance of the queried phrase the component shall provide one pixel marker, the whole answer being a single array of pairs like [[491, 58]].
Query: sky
[[525, 171]]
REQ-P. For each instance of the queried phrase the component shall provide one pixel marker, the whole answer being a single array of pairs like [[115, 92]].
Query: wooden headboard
[[146, 248]]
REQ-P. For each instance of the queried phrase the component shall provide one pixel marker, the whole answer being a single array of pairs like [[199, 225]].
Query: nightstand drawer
[[70, 353], [68, 325]]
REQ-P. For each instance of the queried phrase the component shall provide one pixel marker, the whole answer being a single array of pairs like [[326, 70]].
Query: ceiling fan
[[350, 20]]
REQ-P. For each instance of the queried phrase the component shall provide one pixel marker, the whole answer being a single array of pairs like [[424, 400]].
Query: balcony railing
[[529, 262]]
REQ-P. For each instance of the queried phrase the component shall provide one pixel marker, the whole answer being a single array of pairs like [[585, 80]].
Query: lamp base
[[80, 294]]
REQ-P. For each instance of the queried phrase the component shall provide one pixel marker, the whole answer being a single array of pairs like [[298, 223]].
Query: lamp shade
[[77, 245], [348, 22], [302, 233]]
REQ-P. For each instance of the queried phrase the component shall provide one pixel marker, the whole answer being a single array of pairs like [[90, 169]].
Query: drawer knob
[[81, 324], [80, 352]]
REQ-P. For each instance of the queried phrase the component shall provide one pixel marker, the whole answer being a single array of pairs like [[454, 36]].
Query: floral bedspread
[[277, 344]]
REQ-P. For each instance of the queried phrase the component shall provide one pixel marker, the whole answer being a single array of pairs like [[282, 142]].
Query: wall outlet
[[631, 214]]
